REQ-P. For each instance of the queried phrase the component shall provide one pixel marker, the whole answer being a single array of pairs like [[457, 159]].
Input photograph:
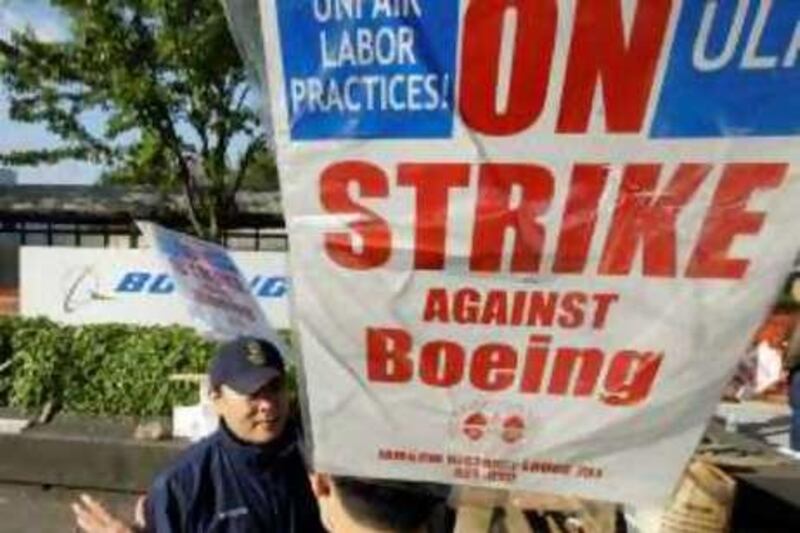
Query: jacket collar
[[258, 455]]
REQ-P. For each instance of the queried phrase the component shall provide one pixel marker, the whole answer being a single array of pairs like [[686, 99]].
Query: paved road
[[33, 509]]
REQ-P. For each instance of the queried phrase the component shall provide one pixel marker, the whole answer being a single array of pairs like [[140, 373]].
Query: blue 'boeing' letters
[[138, 282]]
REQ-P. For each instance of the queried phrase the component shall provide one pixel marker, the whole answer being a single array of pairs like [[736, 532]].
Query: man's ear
[[320, 484], [215, 393]]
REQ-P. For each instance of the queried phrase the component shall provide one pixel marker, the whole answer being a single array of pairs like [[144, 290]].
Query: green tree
[[169, 88]]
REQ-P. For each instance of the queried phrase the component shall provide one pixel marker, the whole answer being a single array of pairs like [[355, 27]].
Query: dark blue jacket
[[222, 484]]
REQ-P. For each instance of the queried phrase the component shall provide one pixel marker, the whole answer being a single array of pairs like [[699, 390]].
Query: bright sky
[[49, 25]]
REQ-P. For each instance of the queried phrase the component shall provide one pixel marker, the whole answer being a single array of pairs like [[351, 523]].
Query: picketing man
[[347, 505], [248, 475]]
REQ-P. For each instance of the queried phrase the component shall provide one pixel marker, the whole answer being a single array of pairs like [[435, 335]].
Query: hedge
[[99, 369]]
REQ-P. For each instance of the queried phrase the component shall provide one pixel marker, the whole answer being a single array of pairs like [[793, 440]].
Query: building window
[[35, 234], [63, 239], [255, 239], [9, 234]]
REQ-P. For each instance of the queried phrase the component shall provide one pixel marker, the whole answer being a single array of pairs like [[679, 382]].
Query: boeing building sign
[[96, 286]]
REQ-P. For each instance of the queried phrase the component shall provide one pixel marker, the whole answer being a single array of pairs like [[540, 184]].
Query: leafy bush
[[38, 362], [6, 331], [103, 369], [128, 368]]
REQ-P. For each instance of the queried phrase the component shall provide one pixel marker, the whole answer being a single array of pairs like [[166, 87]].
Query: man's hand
[[92, 517]]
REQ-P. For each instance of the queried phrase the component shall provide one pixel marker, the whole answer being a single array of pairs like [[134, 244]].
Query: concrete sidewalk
[[42, 509]]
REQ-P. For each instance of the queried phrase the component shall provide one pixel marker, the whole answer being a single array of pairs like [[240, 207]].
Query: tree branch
[[241, 100], [247, 159]]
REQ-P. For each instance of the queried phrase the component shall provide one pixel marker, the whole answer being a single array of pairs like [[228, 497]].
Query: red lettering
[[604, 301], [727, 218], [441, 363], [542, 309], [436, 306], [387, 355], [520, 301], [374, 231], [495, 310], [515, 198], [572, 305], [580, 216], [535, 363], [591, 362], [494, 215], [639, 218], [630, 377], [536, 22], [433, 183], [599, 52], [466, 306], [493, 367]]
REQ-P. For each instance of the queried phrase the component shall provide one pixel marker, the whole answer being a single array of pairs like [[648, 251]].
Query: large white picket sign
[[530, 239]]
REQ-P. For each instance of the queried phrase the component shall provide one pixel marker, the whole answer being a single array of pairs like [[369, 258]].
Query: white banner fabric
[[530, 239]]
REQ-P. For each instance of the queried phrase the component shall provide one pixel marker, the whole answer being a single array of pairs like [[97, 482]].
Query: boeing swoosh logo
[[83, 290]]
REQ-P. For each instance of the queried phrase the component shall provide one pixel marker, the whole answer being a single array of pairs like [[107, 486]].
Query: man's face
[[257, 418]]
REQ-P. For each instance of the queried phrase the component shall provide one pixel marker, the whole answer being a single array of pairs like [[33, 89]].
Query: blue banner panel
[[733, 71], [357, 69]]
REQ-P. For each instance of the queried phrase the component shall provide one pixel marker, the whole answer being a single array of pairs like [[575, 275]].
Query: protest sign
[[530, 239], [213, 289]]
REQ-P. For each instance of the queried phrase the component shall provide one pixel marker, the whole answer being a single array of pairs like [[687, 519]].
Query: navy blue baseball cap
[[246, 364]]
